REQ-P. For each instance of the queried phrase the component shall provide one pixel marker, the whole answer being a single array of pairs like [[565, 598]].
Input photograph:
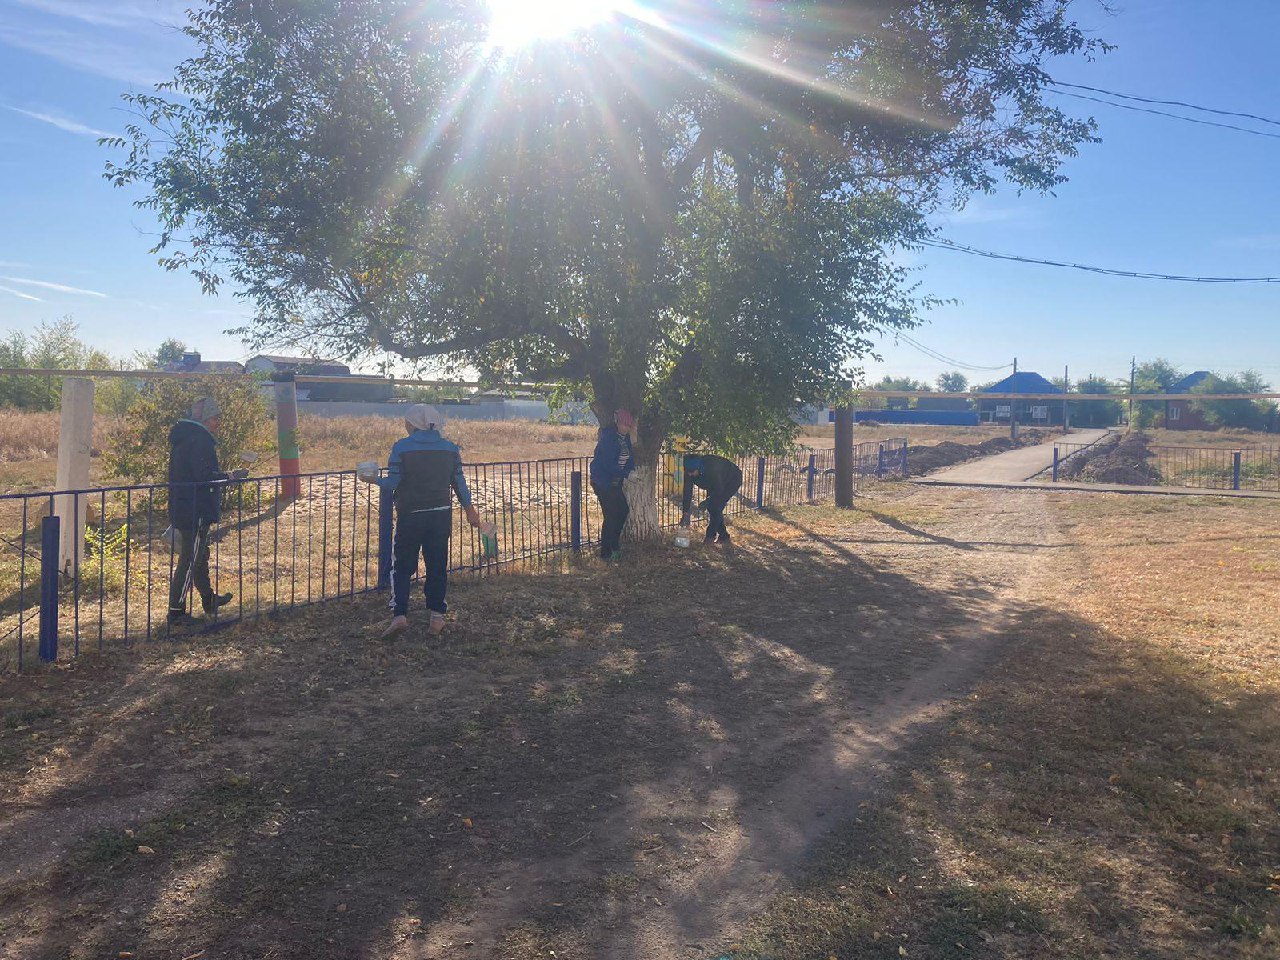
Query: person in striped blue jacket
[[612, 463]]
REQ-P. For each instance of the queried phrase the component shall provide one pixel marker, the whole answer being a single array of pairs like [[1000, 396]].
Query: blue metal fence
[[275, 553]]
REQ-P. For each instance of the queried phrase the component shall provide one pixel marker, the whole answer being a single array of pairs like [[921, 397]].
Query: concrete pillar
[[844, 457], [75, 442]]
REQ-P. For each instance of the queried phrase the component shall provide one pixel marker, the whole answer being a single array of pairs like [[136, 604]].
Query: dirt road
[[605, 762]]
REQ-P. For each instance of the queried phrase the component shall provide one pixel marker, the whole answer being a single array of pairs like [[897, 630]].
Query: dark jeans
[[195, 560], [716, 529], [614, 506], [426, 533]]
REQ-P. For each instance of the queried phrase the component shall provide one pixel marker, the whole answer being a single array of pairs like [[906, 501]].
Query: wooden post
[[75, 443], [844, 457]]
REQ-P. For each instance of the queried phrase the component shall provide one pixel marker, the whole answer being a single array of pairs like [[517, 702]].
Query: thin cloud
[[122, 57], [57, 287], [19, 293], [63, 123], [98, 14]]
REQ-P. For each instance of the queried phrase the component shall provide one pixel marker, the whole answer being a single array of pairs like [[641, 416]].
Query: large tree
[[688, 210]]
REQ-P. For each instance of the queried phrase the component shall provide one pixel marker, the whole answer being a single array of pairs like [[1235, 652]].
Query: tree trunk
[[642, 489]]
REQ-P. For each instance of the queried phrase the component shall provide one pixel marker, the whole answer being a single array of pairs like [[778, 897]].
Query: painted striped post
[[50, 534], [287, 435], [575, 511]]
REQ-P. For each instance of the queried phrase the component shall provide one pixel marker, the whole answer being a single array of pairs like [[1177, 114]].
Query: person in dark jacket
[[721, 479], [195, 504], [424, 473], [611, 464]]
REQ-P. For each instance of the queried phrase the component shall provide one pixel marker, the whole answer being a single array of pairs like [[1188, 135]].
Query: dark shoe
[[218, 600], [180, 618]]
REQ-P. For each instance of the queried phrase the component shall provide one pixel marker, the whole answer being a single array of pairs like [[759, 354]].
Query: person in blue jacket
[[195, 505], [610, 466], [424, 473]]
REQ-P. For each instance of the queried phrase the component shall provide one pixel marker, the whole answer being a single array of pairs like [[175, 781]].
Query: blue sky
[[1155, 195]]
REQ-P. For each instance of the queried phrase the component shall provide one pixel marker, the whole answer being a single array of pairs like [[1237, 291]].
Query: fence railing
[[1066, 455], [277, 553], [1218, 468], [1206, 468]]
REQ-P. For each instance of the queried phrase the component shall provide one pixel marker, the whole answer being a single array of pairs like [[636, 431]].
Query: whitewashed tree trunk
[[641, 489]]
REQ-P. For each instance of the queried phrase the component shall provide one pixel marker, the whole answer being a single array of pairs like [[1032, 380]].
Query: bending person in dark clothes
[[612, 463], [424, 473], [721, 479]]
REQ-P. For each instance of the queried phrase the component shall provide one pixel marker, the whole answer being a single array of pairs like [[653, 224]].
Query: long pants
[[716, 529], [427, 533], [195, 560], [614, 506]]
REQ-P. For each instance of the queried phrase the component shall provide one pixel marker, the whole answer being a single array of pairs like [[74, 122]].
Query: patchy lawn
[[951, 723]]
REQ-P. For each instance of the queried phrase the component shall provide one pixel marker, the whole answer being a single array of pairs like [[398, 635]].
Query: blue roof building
[[1034, 412], [1024, 381]]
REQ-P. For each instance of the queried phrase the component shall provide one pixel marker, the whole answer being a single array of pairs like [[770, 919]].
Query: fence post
[[50, 535], [1235, 470], [813, 472], [386, 535], [880, 460], [575, 510], [904, 460], [1055, 463], [760, 483], [844, 457]]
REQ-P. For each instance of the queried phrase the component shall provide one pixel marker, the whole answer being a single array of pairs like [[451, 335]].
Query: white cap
[[422, 416]]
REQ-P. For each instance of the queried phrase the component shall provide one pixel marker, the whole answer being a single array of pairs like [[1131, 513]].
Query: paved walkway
[[1070, 487], [1015, 466]]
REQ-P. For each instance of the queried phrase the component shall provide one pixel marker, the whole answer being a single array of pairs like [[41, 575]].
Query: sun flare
[[518, 23]]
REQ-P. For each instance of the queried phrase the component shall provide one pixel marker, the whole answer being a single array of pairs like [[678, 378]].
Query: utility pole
[[1133, 378], [1066, 409], [1013, 404]]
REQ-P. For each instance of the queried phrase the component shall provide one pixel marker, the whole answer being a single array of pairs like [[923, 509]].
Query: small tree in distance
[[953, 382]]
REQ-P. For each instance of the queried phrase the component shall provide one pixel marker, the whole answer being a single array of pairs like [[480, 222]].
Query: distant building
[[1036, 413], [191, 363], [361, 391], [1180, 414]]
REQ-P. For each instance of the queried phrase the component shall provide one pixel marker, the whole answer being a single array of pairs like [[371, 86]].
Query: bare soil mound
[[922, 460], [1126, 461]]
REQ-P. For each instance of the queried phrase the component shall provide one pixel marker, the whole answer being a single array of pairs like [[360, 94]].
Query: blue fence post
[[1055, 463], [1235, 470], [903, 465], [386, 535], [575, 510], [50, 534], [760, 483], [880, 461], [813, 473]]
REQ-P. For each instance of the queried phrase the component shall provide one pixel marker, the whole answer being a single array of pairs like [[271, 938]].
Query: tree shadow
[[587, 735]]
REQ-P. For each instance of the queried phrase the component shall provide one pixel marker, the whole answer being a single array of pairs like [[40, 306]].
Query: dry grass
[[1113, 790], [1229, 438]]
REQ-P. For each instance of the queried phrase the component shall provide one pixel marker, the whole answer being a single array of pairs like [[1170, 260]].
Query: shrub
[[139, 452]]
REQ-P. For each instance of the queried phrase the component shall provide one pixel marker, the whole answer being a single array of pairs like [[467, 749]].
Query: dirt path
[[610, 762], [1014, 466]]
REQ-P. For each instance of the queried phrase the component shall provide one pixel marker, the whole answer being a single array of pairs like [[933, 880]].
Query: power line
[[1166, 113], [1167, 103], [1108, 271], [936, 355]]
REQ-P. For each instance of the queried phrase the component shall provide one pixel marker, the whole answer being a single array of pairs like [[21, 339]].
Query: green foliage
[[1096, 413], [139, 452], [51, 346], [1242, 414], [702, 235], [953, 382], [1153, 376]]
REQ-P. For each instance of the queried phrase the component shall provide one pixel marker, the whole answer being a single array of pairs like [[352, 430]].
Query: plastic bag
[[489, 541]]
